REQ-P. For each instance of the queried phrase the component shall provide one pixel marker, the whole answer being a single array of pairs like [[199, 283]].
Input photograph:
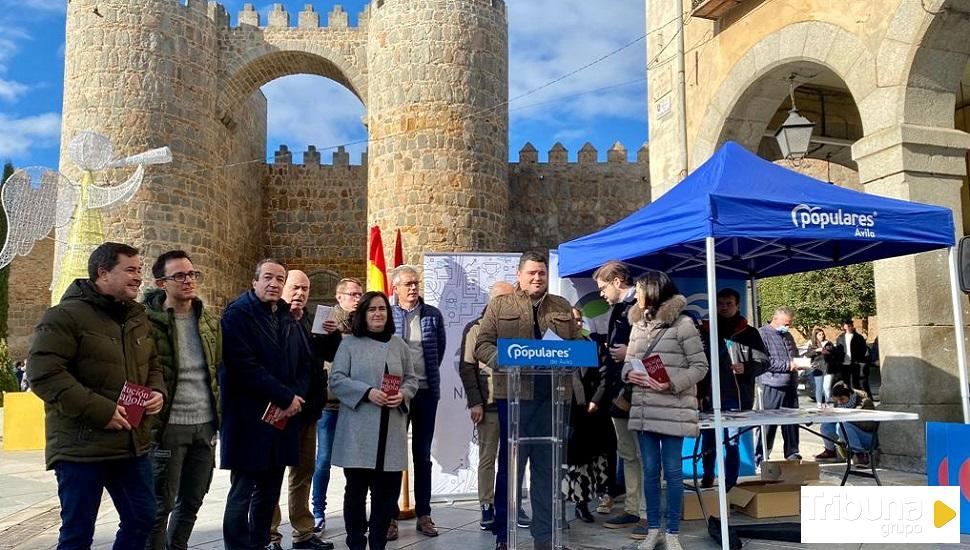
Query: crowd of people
[[278, 394]]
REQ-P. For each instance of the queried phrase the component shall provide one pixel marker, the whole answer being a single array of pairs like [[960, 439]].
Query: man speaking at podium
[[528, 313]]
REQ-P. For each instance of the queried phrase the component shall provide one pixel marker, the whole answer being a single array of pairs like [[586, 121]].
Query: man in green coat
[[85, 349], [188, 339]]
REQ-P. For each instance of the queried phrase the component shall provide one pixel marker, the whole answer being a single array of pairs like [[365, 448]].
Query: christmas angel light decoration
[[37, 199]]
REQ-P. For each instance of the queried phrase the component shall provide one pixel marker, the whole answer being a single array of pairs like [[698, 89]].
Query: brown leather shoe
[[426, 527], [392, 530]]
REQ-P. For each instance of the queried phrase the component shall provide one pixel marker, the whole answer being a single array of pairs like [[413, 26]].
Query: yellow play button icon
[[942, 514]]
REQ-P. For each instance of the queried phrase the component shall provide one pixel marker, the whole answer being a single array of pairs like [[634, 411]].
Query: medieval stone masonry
[[433, 77]]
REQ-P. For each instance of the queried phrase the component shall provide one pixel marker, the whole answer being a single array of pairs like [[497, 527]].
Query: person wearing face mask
[[780, 382]]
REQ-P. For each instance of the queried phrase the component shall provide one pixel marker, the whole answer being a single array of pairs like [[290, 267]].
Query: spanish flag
[[376, 267], [398, 249]]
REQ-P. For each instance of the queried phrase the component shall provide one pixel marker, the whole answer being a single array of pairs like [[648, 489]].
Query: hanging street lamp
[[795, 133]]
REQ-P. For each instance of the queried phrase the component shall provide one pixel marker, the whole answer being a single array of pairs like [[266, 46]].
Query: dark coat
[[749, 348], [260, 367], [432, 340], [610, 379], [823, 363], [590, 434], [858, 347], [475, 376], [164, 333], [84, 350]]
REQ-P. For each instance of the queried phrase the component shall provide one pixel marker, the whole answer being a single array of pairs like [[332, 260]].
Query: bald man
[[476, 378], [296, 292]]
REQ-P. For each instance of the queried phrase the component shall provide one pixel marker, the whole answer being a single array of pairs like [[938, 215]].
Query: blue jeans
[[658, 450], [79, 488], [858, 439], [326, 427]]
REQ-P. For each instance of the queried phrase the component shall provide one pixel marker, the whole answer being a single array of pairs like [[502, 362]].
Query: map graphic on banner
[[458, 285]]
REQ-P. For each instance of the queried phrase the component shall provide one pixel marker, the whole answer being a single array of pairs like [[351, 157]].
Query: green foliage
[[820, 298], [5, 272], [8, 380]]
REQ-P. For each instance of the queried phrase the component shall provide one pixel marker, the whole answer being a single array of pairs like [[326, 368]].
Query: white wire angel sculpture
[[37, 199]]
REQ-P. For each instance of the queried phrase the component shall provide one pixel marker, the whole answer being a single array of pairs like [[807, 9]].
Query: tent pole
[[756, 311], [959, 330], [716, 392]]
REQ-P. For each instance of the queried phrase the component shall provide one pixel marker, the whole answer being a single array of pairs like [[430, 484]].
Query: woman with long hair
[[374, 379], [824, 367], [665, 361]]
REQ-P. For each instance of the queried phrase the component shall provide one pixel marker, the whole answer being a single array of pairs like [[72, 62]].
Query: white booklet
[[323, 313]]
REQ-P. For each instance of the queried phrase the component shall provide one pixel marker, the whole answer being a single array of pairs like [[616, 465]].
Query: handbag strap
[[656, 340]]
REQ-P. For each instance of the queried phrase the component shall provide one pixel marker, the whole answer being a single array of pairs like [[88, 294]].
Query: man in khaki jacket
[[527, 313]]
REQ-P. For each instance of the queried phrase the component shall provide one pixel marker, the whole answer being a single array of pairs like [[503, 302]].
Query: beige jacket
[[510, 316], [671, 412]]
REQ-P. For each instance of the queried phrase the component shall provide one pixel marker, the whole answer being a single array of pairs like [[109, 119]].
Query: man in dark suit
[[266, 360]]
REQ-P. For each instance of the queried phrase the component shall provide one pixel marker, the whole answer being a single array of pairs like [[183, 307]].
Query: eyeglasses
[[410, 284], [181, 277], [356, 295]]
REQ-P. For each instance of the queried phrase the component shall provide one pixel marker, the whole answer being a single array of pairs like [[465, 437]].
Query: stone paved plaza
[[29, 515]]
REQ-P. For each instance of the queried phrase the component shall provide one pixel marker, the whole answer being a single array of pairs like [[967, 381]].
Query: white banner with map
[[458, 285]]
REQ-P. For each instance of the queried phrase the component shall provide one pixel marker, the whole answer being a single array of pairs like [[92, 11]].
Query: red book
[[655, 368], [391, 384], [134, 398], [275, 416]]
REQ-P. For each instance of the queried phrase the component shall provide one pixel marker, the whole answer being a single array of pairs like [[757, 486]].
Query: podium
[[539, 374]]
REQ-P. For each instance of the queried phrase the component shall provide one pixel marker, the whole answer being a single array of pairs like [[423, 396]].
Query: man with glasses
[[188, 340], [349, 291], [423, 328]]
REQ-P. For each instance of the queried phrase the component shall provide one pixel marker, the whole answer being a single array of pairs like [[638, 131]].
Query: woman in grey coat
[[662, 413], [371, 432]]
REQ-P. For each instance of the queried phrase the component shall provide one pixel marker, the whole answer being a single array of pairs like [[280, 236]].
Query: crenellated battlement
[[311, 157], [336, 19], [586, 156]]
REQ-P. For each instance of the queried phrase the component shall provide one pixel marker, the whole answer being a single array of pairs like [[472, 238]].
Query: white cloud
[[571, 34], [20, 135], [311, 110], [45, 5], [10, 90]]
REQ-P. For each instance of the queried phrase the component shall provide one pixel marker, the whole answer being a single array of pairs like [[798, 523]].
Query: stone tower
[[438, 122], [146, 74]]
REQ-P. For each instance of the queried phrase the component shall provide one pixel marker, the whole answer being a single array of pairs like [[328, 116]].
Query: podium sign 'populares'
[[514, 352]]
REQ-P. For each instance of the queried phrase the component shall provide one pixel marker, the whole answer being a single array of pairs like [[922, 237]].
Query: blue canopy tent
[[740, 215]]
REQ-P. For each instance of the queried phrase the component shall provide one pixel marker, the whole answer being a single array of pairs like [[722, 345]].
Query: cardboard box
[[795, 472], [692, 508], [761, 499]]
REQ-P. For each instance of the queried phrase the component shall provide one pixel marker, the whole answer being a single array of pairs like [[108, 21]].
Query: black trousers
[[384, 487], [249, 508], [776, 398]]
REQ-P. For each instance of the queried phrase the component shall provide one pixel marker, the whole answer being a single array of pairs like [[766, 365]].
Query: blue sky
[[548, 38]]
